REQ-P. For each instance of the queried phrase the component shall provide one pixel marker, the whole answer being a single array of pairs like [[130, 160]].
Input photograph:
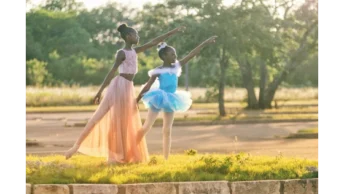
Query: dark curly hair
[[162, 51], [124, 29]]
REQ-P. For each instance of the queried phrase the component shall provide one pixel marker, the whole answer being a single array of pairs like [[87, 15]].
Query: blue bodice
[[168, 82]]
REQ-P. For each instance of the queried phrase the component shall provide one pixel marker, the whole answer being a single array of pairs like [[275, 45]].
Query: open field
[[210, 109], [74, 96], [305, 133]]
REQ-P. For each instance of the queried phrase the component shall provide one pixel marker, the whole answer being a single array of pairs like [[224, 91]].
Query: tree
[[254, 36], [63, 5], [36, 72], [300, 30], [210, 18], [101, 23], [33, 48], [261, 43]]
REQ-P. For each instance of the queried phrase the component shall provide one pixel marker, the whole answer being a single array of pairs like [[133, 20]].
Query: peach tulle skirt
[[117, 120]]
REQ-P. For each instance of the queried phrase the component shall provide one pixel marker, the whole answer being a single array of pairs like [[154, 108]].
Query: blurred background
[[256, 86]]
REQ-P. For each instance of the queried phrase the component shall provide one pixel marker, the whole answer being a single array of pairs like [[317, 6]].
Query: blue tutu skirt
[[157, 100]]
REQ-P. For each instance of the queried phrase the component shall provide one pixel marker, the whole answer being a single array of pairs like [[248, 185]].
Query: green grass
[[308, 131], [55, 109], [31, 142], [206, 119], [291, 110], [197, 167], [304, 133], [243, 117], [207, 107], [91, 108], [77, 96]]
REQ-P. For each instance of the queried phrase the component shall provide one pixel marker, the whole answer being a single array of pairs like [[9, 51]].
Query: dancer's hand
[[97, 98], [210, 40], [137, 104], [72, 151]]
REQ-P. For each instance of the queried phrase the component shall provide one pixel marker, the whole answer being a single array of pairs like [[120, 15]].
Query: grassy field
[[76, 96], [232, 107], [308, 131], [211, 119], [305, 133], [293, 104], [188, 167]]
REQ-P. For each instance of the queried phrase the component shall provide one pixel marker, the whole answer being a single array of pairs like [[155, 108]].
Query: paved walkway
[[258, 139], [73, 116]]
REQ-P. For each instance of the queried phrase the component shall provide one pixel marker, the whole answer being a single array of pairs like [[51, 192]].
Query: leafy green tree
[[36, 72]]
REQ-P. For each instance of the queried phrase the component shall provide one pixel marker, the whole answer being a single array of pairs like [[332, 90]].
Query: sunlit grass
[[213, 119], [243, 117], [46, 109], [212, 108], [73, 96], [293, 109], [199, 167], [307, 131]]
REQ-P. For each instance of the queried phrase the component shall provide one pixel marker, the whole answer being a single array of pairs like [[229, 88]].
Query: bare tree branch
[[265, 7]]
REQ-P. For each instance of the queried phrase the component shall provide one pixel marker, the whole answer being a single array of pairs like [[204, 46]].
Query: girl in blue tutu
[[165, 97]]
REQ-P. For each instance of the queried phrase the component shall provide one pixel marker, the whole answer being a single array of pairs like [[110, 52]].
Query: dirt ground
[[257, 139]]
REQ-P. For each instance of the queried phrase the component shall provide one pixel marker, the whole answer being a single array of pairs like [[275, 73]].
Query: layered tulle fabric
[[160, 100], [117, 121], [163, 95]]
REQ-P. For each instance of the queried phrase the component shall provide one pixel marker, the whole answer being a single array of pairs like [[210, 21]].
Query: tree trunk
[[262, 84], [187, 77], [222, 110], [222, 82], [272, 88], [246, 72], [297, 58]]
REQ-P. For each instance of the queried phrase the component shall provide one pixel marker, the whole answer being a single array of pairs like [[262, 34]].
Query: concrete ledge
[[50, 189], [256, 187], [292, 186], [93, 188], [307, 186], [148, 188], [213, 187], [28, 189]]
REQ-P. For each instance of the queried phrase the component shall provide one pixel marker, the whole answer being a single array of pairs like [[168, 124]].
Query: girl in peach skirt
[[112, 130]]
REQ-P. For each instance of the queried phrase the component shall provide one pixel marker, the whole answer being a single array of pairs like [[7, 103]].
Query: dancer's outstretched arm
[[120, 57], [146, 87], [196, 50], [158, 39]]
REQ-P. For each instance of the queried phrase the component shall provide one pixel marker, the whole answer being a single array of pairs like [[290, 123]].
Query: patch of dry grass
[[73, 96]]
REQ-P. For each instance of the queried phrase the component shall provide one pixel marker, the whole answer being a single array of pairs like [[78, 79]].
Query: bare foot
[[112, 162], [71, 151]]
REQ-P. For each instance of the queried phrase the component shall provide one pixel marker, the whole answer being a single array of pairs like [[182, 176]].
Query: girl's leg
[[100, 112], [166, 130], [151, 117]]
